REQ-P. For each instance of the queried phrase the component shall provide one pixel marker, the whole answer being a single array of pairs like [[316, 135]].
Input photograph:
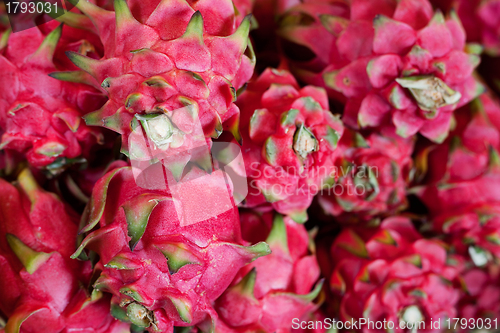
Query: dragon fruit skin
[[461, 210], [469, 148], [41, 288], [289, 142], [161, 272], [480, 21], [472, 228], [392, 273], [464, 170], [39, 115], [149, 67], [460, 180], [483, 293], [374, 173], [407, 68], [222, 18], [264, 300], [481, 290]]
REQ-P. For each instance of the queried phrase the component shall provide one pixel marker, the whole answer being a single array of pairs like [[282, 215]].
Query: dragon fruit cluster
[[250, 166]]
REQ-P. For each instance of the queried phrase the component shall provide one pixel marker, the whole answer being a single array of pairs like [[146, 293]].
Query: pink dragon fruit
[[390, 274], [374, 174], [465, 170], [289, 142], [480, 20], [393, 62], [267, 300], [162, 270], [41, 116], [483, 295], [472, 230], [477, 131], [461, 178], [41, 288], [461, 194], [160, 57]]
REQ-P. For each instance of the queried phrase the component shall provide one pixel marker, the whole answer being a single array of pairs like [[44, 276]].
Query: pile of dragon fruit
[[251, 166]]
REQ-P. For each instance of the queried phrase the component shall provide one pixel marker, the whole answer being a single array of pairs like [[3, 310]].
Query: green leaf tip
[[5, 38], [30, 259], [177, 256], [315, 292], [122, 12], [277, 236], [137, 213], [121, 262], [83, 62], [48, 46], [182, 308], [72, 76], [259, 250], [195, 26], [241, 34], [29, 184]]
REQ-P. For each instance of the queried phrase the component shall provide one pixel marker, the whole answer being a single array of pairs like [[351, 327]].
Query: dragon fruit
[[473, 231], [393, 62], [162, 270], [464, 171], [477, 132], [174, 55], [483, 293], [41, 116], [374, 172], [460, 180], [41, 288], [267, 300], [480, 21], [391, 273], [289, 142]]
